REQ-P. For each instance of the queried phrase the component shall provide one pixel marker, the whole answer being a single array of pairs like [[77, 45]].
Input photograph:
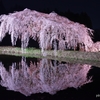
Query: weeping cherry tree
[[49, 30]]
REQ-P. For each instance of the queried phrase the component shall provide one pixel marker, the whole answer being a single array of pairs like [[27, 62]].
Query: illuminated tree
[[45, 28]]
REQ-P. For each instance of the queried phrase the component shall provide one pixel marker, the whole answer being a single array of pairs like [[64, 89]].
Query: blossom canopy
[[45, 28]]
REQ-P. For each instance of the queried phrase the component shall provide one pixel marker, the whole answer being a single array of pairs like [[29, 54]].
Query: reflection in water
[[44, 76]]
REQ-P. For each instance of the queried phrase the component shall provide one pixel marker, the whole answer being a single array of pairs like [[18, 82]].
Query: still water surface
[[44, 79]]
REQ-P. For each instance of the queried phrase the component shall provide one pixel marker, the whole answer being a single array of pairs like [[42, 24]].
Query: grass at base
[[92, 58]]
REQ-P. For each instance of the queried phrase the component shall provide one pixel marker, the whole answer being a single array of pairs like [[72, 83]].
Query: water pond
[[45, 79]]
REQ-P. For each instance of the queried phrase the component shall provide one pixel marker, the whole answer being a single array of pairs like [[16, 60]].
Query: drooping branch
[[45, 28]]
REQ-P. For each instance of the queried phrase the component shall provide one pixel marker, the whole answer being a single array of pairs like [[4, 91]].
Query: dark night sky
[[91, 7]]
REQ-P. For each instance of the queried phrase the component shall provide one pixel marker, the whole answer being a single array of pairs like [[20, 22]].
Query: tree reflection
[[44, 76]]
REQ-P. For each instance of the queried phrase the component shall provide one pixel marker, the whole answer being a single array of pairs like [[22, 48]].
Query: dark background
[[83, 11]]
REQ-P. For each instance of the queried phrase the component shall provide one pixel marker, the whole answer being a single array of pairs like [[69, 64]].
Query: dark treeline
[[96, 35], [82, 18]]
